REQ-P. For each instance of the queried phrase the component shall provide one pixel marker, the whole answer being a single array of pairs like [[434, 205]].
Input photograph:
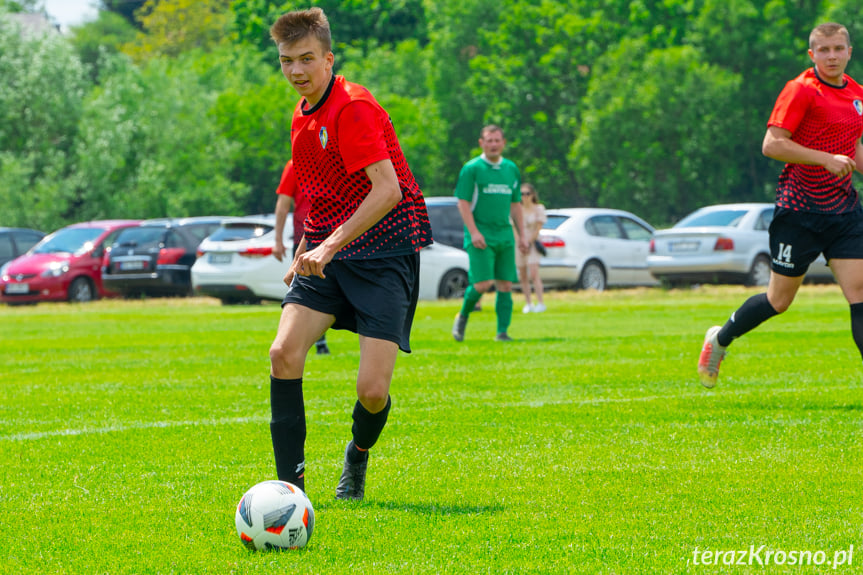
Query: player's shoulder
[[853, 85]]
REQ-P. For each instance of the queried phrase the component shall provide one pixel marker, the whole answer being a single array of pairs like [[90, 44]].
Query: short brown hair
[[489, 129], [294, 26], [828, 29]]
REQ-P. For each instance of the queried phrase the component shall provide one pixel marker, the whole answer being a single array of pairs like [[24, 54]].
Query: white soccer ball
[[275, 515]]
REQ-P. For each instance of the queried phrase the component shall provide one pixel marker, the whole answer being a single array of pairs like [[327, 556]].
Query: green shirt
[[491, 189]]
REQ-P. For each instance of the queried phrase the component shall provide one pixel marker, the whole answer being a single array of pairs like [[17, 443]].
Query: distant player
[[357, 266], [289, 196], [815, 127], [489, 194]]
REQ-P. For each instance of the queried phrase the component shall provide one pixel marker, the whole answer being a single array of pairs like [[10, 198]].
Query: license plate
[[683, 246], [18, 288], [134, 265], [220, 258]]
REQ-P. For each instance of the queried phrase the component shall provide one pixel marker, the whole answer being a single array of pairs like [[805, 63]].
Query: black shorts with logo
[[374, 298], [796, 239]]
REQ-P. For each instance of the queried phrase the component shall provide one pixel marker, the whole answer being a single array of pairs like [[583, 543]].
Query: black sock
[[288, 429], [368, 426], [750, 315], [857, 325]]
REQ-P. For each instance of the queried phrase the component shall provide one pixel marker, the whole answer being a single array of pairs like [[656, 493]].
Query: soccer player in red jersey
[[288, 196], [357, 266], [815, 128]]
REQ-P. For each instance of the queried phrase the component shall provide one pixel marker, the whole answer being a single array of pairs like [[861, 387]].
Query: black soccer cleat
[[352, 483]]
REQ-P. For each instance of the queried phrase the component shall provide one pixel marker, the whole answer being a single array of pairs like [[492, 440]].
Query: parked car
[[156, 257], [65, 266], [725, 243], [446, 222], [594, 248], [16, 241], [236, 264]]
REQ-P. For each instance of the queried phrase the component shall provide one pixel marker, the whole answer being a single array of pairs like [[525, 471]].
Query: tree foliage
[[654, 106]]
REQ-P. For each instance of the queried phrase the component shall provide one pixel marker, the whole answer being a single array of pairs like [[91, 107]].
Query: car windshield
[[553, 222], [141, 237], [69, 241], [239, 231], [714, 218]]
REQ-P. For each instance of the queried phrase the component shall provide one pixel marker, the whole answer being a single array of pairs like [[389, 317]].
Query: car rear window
[[141, 237], [722, 218], [553, 222], [236, 232]]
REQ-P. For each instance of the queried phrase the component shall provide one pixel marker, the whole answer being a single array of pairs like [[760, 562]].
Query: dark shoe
[[503, 337], [458, 327], [323, 349], [352, 483]]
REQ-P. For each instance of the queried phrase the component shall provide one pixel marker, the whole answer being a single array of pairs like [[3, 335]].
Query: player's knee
[[282, 357], [373, 398]]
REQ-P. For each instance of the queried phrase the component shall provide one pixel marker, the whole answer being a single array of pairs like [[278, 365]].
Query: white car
[[718, 244], [594, 248], [236, 264]]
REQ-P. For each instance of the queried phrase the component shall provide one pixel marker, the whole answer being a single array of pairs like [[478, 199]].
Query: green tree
[[172, 27], [149, 147], [658, 132], [41, 101], [106, 34]]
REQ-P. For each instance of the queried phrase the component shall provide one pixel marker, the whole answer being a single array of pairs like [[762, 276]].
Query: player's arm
[[476, 237], [382, 198], [779, 146], [283, 207], [517, 214]]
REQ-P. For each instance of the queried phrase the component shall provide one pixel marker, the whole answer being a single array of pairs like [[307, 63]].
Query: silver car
[[594, 248], [726, 243]]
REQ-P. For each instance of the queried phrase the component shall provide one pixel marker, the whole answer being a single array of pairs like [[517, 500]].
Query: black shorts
[[796, 239], [374, 298]]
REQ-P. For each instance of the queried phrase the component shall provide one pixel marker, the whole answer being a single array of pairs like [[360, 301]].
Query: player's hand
[[478, 241], [313, 262], [523, 245], [840, 165], [279, 251]]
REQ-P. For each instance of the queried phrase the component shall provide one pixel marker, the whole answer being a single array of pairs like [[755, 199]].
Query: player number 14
[[784, 252]]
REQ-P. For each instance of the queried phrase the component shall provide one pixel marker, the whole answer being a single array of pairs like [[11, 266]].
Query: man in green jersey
[[489, 193]]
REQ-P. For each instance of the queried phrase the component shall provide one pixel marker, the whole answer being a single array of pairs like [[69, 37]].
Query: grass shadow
[[430, 509]]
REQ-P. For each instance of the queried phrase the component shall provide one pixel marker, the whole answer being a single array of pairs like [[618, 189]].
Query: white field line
[[128, 427], [536, 403]]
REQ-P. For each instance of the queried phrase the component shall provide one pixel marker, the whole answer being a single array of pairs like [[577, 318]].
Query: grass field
[[129, 431]]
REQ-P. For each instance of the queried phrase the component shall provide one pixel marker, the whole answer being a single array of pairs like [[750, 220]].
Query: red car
[[65, 266]]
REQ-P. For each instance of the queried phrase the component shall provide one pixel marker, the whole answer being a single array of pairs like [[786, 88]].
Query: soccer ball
[[274, 515]]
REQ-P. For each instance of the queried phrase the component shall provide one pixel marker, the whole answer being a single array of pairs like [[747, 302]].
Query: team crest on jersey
[[324, 137], [858, 105]]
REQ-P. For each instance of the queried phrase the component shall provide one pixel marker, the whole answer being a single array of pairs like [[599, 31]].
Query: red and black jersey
[[288, 187], [820, 117], [331, 145]]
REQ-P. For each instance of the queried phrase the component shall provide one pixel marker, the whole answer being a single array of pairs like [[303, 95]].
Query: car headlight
[[56, 270]]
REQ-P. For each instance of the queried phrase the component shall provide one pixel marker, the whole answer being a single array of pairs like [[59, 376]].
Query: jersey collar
[[316, 107], [820, 79], [490, 163]]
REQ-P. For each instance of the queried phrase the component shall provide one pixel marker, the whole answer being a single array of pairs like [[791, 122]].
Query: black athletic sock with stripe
[[857, 325], [368, 426], [288, 429], [750, 315]]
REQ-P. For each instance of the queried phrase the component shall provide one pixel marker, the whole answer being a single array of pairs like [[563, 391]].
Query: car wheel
[[759, 274], [453, 284], [592, 276], [81, 290]]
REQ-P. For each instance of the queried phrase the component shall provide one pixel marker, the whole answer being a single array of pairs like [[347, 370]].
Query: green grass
[[129, 431]]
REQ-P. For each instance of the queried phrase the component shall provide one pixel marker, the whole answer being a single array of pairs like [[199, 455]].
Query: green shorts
[[495, 262]]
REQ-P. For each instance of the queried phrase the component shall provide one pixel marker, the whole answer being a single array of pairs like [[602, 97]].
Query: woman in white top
[[528, 264]]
